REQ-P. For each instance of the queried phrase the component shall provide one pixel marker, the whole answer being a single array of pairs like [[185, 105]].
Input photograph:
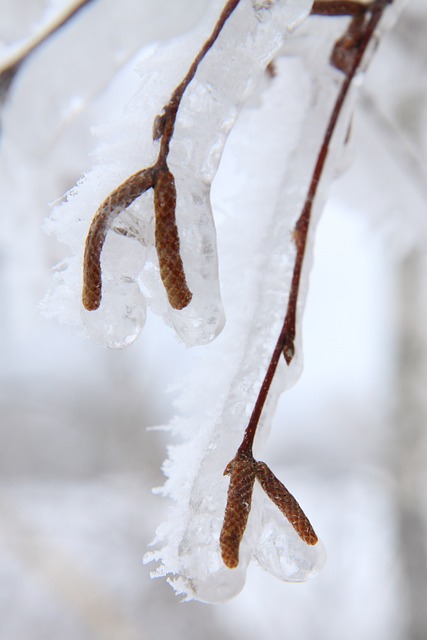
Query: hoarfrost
[[251, 38]]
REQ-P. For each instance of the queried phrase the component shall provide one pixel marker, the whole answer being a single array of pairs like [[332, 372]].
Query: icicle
[[281, 552]]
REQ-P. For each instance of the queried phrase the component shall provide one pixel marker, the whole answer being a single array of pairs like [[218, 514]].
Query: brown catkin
[[167, 242], [112, 206], [239, 498], [287, 504]]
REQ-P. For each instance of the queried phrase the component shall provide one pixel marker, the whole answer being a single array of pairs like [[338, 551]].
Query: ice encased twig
[[225, 79]]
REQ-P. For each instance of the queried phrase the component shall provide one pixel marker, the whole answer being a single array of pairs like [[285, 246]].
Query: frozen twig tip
[[243, 470]]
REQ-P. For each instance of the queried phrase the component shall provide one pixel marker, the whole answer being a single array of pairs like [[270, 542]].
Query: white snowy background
[[77, 463]]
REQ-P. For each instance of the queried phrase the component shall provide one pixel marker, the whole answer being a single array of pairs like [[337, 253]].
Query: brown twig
[[335, 8], [347, 56], [159, 178], [8, 72]]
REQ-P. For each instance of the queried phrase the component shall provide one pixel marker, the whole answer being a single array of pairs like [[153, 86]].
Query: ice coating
[[118, 321]]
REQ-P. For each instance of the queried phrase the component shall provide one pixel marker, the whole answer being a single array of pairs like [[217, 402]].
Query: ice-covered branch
[[153, 240], [347, 55], [189, 544]]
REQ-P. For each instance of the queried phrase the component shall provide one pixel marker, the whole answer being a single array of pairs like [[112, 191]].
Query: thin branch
[[165, 123], [9, 71], [286, 340], [160, 179], [347, 56]]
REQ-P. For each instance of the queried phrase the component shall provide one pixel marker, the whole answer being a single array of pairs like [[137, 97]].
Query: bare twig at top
[[9, 71]]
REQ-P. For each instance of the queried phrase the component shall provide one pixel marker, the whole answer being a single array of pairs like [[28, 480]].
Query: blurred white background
[[77, 463]]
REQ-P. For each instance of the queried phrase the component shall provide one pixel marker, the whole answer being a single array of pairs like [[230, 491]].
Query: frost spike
[[239, 497], [286, 502], [112, 206], [167, 242]]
